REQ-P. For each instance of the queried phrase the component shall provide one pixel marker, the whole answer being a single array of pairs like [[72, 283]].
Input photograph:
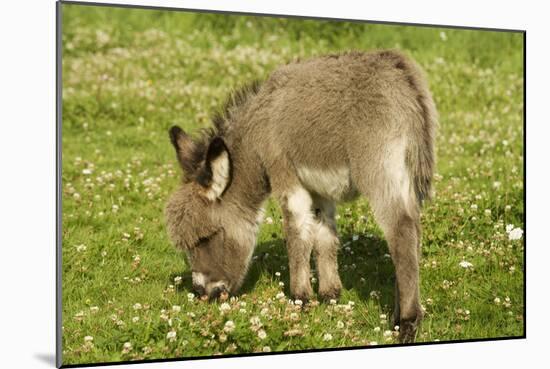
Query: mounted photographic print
[[240, 184]]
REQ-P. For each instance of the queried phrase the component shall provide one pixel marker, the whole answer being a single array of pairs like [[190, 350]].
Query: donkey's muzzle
[[217, 292], [199, 290]]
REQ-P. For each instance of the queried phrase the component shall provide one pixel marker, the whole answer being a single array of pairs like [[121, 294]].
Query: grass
[[128, 75]]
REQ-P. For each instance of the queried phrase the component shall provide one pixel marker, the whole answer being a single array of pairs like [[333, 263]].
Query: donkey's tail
[[420, 153]]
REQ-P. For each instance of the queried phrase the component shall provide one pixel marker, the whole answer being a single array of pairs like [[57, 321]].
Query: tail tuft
[[421, 152]]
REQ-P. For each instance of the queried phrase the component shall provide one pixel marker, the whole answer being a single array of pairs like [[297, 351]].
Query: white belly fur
[[334, 184]]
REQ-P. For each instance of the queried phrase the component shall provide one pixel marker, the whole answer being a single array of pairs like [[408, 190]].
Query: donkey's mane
[[236, 99], [221, 121]]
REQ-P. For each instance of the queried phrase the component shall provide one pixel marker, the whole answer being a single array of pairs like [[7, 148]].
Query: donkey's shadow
[[364, 267]]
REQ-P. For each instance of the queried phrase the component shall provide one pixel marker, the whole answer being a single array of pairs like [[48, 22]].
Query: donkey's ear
[[184, 146], [215, 176]]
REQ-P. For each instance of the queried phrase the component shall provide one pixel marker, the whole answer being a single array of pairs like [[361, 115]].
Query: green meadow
[[130, 74]]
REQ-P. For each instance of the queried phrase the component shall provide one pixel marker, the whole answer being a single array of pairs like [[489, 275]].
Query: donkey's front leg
[[299, 223]]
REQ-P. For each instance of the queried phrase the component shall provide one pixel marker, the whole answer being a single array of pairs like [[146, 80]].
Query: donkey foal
[[314, 133]]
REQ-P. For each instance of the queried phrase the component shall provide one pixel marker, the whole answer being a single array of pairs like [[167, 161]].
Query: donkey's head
[[217, 240]]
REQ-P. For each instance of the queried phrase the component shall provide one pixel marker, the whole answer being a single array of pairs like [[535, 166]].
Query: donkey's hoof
[[407, 331], [330, 294], [303, 296]]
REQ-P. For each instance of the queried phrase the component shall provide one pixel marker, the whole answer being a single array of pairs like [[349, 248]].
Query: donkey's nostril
[[199, 290]]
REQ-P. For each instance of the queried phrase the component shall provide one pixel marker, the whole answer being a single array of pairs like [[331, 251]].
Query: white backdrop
[[27, 180]]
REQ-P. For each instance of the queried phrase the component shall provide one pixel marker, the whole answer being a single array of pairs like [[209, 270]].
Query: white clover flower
[[373, 343], [127, 347], [280, 295], [473, 207], [332, 302], [327, 337], [376, 329], [298, 302], [383, 316], [225, 307], [94, 309], [340, 324], [266, 349], [171, 336], [507, 302], [515, 234], [81, 248], [176, 308], [177, 280], [509, 228], [354, 237], [496, 184], [269, 220], [190, 296], [87, 171], [264, 311], [229, 326], [261, 334], [277, 274], [255, 321], [135, 319], [465, 264], [281, 284], [137, 306], [88, 339], [387, 333], [396, 328]]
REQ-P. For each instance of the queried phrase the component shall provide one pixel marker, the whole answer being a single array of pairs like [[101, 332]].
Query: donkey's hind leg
[[326, 248], [397, 212], [400, 227]]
